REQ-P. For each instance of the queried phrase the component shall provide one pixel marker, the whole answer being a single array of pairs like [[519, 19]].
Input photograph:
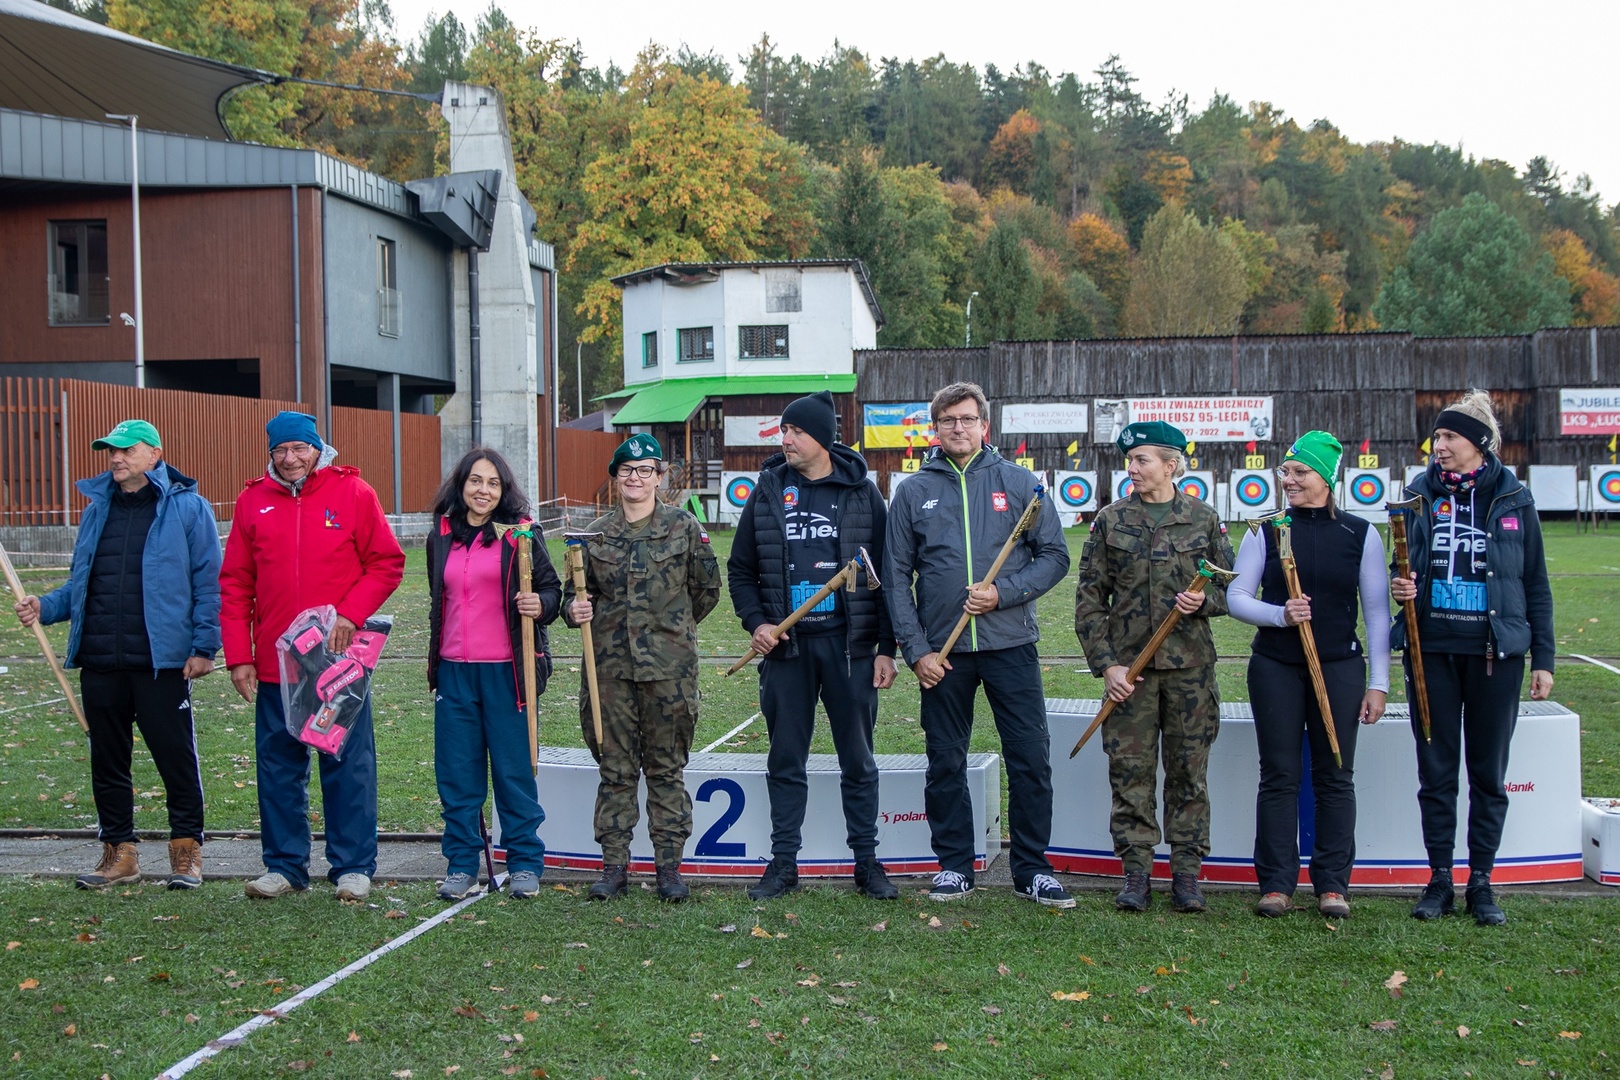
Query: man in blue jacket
[[143, 597], [812, 511], [946, 525]]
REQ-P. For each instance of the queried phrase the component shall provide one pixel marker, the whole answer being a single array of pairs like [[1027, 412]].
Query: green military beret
[[1151, 433], [635, 450]]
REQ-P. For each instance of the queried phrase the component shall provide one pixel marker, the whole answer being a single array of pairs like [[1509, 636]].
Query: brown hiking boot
[[671, 889], [614, 881], [1137, 893], [185, 864], [119, 865]]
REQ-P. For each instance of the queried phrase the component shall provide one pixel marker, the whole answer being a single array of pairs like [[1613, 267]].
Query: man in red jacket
[[306, 533]]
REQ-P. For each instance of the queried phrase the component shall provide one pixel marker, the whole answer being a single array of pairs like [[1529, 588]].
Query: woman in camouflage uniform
[[650, 578], [1143, 552]]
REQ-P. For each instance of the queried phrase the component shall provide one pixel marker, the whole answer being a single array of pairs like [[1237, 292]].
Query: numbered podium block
[[1541, 841], [731, 815]]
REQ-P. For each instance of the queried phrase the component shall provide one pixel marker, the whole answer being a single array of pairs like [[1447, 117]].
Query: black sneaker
[[615, 880], [671, 889], [949, 885], [870, 880], [1045, 890], [1137, 893], [1439, 898], [1185, 895], [780, 877], [1479, 901]]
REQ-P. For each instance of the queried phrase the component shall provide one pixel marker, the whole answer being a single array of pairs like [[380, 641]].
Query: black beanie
[[815, 416]]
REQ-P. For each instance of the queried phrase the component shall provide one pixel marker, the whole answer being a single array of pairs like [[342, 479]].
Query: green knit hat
[[635, 450], [1320, 452], [1151, 433]]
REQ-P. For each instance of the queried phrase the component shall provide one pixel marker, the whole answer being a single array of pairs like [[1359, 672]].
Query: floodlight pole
[[970, 319], [135, 206]]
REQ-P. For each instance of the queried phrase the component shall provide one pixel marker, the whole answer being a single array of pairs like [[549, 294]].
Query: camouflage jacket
[[650, 588], [1130, 572]]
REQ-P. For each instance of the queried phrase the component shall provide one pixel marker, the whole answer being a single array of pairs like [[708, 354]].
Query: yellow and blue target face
[[1075, 492], [738, 490], [1195, 486], [1367, 490], [1608, 487], [1253, 491]]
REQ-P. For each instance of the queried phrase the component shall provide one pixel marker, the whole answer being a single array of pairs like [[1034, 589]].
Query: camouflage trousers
[[1180, 711], [647, 729]]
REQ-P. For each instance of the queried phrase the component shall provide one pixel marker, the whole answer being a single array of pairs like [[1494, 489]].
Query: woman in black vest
[[1480, 580], [1340, 559]]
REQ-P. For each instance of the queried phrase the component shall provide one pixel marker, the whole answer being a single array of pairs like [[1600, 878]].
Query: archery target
[[895, 480], [1413, 472], [1554, 487], [1253, 492], [735, 487], [1363, 492], [1200, 485], [1073, 494], [1605, 487], [1123, 486]]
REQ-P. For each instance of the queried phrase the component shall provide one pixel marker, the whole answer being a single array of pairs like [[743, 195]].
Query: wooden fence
[[47, 426], [582, 461], [1384, 388]]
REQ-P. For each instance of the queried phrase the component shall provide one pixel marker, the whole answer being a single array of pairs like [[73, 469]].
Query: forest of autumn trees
[[1066, 206]]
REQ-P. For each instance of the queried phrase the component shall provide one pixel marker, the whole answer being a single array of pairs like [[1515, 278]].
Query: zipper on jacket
[[967, 537]]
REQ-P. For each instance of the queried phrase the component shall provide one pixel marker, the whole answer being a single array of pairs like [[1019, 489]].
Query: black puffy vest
[[114, 632], [1327, 553]]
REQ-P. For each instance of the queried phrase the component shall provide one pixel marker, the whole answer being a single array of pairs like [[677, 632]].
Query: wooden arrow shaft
[[21, 594], [1414, 651], [838, 580], [1143, 659]]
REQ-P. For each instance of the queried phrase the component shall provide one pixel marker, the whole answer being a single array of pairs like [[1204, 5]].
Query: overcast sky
[[1501, 80]]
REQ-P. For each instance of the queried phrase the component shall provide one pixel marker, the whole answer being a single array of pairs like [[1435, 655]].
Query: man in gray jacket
[[946, 526]]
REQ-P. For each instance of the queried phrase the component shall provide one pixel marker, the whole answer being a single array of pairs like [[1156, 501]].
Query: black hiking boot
[[1439, 898], [1137, 894], [613, 883], [870, 880], [1185, 895], [1480, 903], [779, 878], [671, 889]]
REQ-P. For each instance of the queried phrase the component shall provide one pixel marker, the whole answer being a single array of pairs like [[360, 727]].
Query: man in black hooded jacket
[[812, 510]]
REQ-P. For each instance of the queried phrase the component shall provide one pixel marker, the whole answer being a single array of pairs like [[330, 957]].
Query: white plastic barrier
[[731, 815], [1600, 839], [1541, 840]]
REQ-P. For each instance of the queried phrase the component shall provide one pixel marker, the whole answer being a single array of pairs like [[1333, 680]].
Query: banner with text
[[1055, 418], [1208, 419], [1589, 411], [753, 431], [889, 427]]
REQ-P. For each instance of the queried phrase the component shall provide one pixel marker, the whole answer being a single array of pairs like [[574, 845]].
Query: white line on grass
[[1599, 663], [730, 733], [270, 1016], [32, 705]]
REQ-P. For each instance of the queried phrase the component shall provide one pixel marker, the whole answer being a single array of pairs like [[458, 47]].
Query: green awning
[[673, 401]]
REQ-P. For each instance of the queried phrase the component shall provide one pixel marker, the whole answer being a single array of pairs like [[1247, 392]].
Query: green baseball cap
[[635, 450], [1151, 433], [127, 434], [1320, 452]]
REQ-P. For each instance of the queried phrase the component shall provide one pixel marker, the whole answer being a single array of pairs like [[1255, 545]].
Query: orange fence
[[582, 461], [218, 440]]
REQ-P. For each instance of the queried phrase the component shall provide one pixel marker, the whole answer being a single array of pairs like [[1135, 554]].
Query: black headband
[[1473, 430]]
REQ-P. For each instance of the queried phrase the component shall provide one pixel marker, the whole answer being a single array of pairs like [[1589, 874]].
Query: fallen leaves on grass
[[28, 984], [729, 928], [451, 1070], [745, 963], [354, 1036], [13, 945], [934, 923], [1394, 983], [759, 932], [1388, 1073], [940, 1048], [71, 1030], [1072, 995], [395, 914], [1171, 970], [1569, 1034], [880, 926], [990, 1010], [1382, 1025], [1003, 969], [192, 1018], [813, 980], [402, 1074], [1462, 1031], [576, 945], [468, 1012], [1088, 961], [530, 1017]]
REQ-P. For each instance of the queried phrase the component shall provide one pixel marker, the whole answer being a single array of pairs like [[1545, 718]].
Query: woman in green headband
[[1340, 560]]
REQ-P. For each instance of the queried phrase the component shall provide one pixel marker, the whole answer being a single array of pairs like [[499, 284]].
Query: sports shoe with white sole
[[458, 886], [269, 886], [353, 888], [523, 885], [1045, 890], [949, 885]]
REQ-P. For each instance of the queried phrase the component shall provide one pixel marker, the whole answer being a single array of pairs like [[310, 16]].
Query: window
[[387, 288], [649, 350], [696, 344], [78, 273], [762, 342], [782, 291]]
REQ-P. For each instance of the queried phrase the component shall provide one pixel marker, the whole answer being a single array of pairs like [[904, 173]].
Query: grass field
[[130, 982]]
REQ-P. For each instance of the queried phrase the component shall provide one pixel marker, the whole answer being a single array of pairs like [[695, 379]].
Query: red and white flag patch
[[998, 499]]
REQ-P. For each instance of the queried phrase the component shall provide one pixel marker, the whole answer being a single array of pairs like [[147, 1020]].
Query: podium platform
[[1541, 841], [731, 815]]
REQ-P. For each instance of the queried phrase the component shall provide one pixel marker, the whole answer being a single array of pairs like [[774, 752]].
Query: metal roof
[[673, 401], [697, 273], [54, 62]]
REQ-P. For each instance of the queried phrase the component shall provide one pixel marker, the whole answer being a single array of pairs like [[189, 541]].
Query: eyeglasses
[[286, 450], [645, 472], [1300, 473], [956, 423]]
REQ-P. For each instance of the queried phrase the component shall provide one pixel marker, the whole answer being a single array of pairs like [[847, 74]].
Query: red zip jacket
[[330, 544]]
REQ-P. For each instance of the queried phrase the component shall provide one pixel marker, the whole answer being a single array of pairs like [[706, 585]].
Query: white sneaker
[[353, 887], [949, 885], [269, 886]]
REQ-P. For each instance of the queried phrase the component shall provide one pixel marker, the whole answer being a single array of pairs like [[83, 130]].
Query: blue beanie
[[286, 427]]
